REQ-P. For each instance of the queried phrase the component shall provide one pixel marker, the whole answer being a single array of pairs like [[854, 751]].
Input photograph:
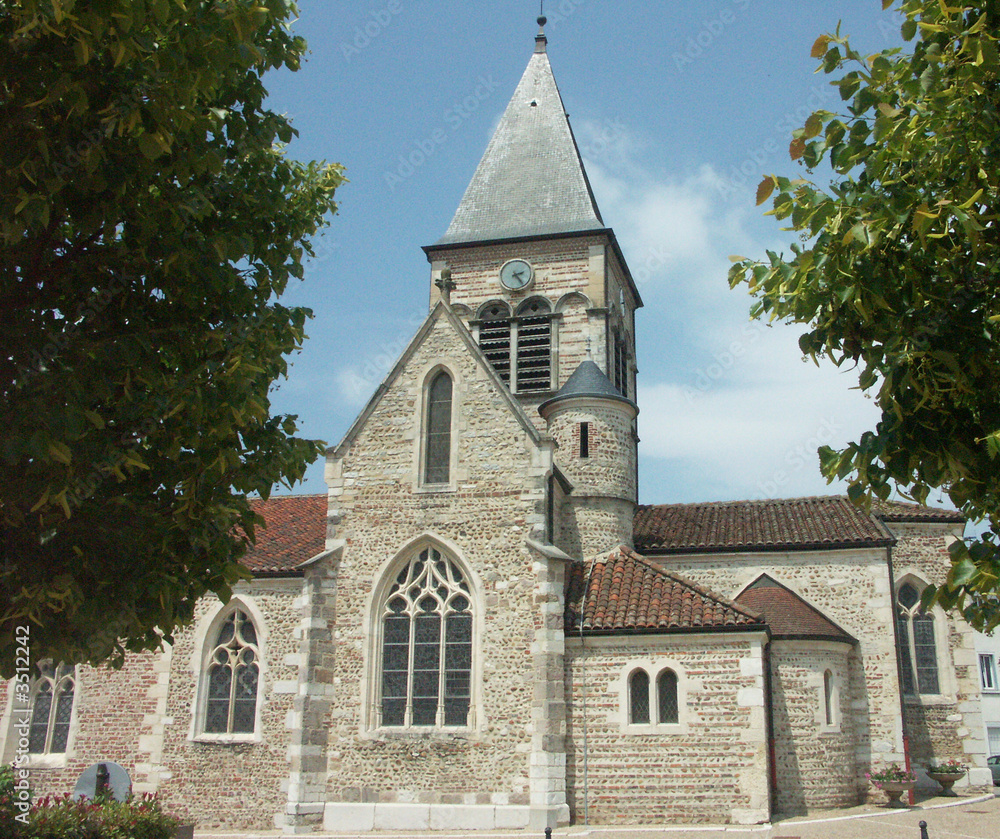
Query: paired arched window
[[646, 705], [426, 658], [917, 643], [233, 677], [437, 444], [519, 347], [52, 709]]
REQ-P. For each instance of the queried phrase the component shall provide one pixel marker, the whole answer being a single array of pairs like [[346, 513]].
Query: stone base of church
[[357, 818]]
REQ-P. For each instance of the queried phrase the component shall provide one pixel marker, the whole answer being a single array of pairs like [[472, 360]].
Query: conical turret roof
[[530, 181], [587, 382]]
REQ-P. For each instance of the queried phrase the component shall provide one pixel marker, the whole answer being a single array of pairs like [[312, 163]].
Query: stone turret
[[594, 428]]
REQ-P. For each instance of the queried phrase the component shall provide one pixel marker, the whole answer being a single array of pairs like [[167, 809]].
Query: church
[[479, 627]]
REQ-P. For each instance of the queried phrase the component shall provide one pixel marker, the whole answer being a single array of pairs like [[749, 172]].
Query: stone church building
[[479, 626]]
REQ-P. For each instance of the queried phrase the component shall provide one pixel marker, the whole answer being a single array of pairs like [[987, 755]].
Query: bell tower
[[527, 260]]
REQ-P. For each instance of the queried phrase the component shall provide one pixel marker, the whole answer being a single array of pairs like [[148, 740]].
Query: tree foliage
[[896, 268], [149, 222]]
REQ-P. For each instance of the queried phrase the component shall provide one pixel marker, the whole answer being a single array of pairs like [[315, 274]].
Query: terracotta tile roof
[[787, 614], [623, 591], [733, 526], [295, 532], [905, 512]]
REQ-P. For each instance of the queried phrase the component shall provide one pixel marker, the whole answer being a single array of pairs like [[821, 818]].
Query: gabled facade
[[478, 627]]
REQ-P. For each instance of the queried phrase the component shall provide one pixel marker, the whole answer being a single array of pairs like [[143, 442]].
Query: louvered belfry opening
[[534, 346], [494, 338]]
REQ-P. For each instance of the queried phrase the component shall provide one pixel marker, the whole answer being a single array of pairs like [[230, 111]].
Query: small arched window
[[437, 465], [917, 643], [828, 697], [666, 696], [52, 709], [638, 698], [426, 666], [233, 677]]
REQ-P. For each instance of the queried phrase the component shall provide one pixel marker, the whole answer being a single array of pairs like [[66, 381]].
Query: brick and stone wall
[[381, 513], [814, 757], [710, 767]]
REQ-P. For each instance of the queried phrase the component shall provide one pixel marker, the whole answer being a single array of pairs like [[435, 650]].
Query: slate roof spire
[[530, 181]]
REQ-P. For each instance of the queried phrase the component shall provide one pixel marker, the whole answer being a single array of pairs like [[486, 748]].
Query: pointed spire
[[530, 181]]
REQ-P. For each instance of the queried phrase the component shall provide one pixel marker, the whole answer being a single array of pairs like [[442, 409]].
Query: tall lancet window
[[534, 345], [233, 676], [917, 643], [51, 709], [438, 440], [426, 678]]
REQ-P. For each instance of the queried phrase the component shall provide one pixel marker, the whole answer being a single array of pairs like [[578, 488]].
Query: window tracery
[[233, 677], [52, 709]]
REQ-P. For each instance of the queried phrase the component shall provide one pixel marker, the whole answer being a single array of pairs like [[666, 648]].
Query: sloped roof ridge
[[721, 599], [756, 586]]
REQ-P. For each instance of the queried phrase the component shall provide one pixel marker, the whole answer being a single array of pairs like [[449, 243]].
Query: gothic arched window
[[638, 698], [426, 663], [233, 677], [917, 643], [52, 709], [666, 697], [437, 457]]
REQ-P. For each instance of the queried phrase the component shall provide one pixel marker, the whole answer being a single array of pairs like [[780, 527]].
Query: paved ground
[[947, 818]]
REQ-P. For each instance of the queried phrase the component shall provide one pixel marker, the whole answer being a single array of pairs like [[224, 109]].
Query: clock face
[[516, 274]]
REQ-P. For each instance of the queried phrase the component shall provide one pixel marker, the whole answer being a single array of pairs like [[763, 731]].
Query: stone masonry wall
[[710, 767], [233, 785], [948, 725], [851, 587], [380, 512], [814, 761]]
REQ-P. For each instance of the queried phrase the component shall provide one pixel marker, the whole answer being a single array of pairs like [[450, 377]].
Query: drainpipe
[[772, 774], [899, 664]]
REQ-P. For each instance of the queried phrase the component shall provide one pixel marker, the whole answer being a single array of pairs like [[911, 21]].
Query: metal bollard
[[923, 830], [548, 833]]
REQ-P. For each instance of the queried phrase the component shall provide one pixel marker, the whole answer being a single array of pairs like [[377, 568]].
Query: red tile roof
[[623, 591], [787, 614], [295, 532], [904, 512], [732, 526]]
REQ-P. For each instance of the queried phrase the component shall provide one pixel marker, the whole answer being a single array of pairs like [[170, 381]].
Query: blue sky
[[679, 108]]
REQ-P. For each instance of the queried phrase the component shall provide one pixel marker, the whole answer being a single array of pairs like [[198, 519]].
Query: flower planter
[[947, 780], [894, 791]]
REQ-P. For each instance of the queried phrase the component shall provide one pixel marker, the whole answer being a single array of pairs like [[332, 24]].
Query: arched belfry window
[[534, 345], [437, 463], [917, 643], [494, 337], [426, 662], [51, 709], [233, 677]]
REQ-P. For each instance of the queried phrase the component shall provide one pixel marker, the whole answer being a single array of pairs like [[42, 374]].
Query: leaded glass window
[[52, 709], [638, 698], [233, 677], [917, 643], [666, 695], [438, 455], [426, 678]]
